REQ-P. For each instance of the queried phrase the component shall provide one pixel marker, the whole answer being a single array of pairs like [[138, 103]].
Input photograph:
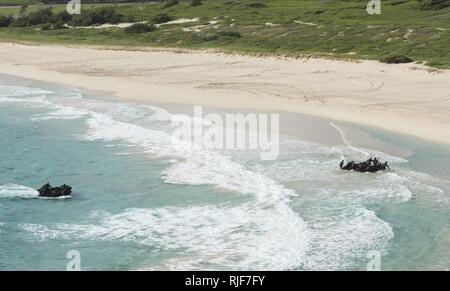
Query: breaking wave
[[14, 190], [291, 223]]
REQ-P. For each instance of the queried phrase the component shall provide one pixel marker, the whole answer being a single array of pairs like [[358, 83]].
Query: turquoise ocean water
[[140, 203]]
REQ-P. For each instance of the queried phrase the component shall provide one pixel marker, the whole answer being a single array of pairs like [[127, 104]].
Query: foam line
[[344, 139]]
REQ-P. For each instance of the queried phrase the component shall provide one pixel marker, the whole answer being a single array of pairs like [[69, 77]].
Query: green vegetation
[[161, 18], [256, 5], [46, 15], [17, 2], [231, 34], [95, 16], [40, 16], [196, 2], [5, 20], [140, 28], [336, 29], [434, 4], [396, 59], [170, 3]]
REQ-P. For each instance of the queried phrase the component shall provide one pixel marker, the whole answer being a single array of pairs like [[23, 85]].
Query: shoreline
[[308, 128], [392, 197], [407, 98], [315, 129]]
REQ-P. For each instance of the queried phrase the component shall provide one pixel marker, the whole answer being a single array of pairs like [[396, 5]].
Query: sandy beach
[[407, 98]]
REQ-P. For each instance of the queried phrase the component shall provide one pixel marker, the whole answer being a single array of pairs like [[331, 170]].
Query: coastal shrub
[[59, 24], [433, 4], [170, 3], [46, 26], [225, 34], [203, 20], [210, 37], [231, 34], [82, 19], [196, 2], [5, 20], [129, 18], [40, 16], [397, 2], [63, 16], [140, 28], [396, 59], [161, 18], [96, 16], [257, 5], [20, 21], [230, 3], [104, 15], [316, 12], [23, 9]]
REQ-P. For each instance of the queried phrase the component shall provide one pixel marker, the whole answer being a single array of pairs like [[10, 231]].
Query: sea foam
[[18, 91], [329, 227], [215, 237], [14, 190]]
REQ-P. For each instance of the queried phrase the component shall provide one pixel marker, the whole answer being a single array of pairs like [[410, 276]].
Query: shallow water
[[142, 203]]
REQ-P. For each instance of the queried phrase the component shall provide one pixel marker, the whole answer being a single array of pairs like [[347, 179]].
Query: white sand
[[179, 21], [405, 98], [128, 24]]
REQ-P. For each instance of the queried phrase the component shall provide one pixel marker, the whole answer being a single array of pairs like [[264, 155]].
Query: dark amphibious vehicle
[[372, 165], [48, 191]]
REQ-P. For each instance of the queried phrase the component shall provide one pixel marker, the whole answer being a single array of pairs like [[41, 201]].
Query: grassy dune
[[17, 2], [340, 29]]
